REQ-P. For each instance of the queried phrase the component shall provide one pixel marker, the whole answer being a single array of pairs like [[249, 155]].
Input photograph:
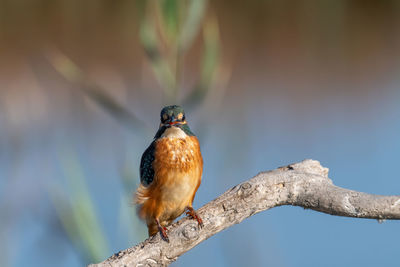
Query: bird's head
[[172, 116], [173, 123]]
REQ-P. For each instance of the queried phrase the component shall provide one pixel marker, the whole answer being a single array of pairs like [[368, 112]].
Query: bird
[[170, 173]]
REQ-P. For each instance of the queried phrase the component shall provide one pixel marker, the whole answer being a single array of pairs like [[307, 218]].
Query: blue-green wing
[[146, 165]]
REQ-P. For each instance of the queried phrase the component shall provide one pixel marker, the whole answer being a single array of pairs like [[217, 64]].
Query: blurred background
[[263, 83]]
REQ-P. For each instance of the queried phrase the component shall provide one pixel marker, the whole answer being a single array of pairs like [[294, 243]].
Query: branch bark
[[305, 184]]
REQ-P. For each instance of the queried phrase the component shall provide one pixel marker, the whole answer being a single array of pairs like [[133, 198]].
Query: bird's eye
[[165, 117], [180, 116]]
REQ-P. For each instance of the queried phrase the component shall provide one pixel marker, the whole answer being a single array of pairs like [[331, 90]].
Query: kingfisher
[[170, 173]]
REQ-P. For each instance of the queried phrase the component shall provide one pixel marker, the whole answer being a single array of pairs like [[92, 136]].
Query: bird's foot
[[163, 234], [192, 213], [163, 231]]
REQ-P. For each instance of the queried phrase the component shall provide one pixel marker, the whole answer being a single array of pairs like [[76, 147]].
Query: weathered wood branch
[[305, 184]]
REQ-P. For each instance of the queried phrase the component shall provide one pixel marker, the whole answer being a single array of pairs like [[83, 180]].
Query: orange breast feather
[[178, 167]]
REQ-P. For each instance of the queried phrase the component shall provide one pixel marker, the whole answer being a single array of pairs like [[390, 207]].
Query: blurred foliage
[[168, 29], [77, 212], [72, 73], [209, 64]]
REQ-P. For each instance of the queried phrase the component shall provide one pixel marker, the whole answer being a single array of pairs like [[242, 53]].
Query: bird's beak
[[173, 121]]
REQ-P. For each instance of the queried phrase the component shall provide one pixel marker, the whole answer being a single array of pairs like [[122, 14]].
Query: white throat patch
[[174, 132]]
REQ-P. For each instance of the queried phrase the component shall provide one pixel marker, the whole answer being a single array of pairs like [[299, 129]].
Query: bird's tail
[[141, 195]]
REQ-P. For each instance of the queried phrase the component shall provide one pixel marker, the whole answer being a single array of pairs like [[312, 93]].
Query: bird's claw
[[192, 213], [163, 233]]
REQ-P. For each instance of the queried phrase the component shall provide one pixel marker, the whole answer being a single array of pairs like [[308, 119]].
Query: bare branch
[[305, 184]]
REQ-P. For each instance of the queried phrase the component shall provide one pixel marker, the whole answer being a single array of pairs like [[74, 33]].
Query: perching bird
[[170, 173]]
